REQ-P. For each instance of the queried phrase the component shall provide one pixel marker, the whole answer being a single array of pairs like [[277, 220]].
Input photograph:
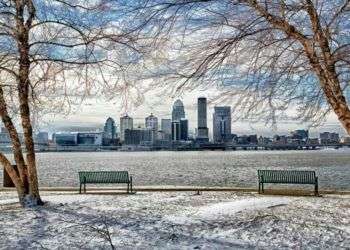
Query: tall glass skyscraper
[[109, 130], [222, 124], [178, 110], [151, 122], [126, 122], [202, 131]]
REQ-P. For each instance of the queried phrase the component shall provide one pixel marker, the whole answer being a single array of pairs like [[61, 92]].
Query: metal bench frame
[[107, 177], [287, 177]]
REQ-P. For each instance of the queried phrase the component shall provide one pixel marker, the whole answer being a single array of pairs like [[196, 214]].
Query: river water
[[203, 168]]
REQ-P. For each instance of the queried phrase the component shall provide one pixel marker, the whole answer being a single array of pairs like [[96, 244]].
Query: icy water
[[205, 168]]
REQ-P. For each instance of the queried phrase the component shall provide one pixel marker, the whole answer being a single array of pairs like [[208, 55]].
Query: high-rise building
[[178, 110], [138, 136], [109, 130], [184, 129], [222, 124], [166, 126], [175, 130], [202, 132], [151, 122], [126, 122]]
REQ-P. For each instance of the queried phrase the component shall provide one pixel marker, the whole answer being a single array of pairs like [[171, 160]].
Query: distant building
[[300, 134], [178, 110], [110, 130], [5, 138], [280, 139], [329, 138], [66, 139], [175, 130], [184, 129], [166, 126], [202, 131], [313, 141], [222, 124], [138, 137], [126, 122], [264, 140], [42, 138], [151, 122], [90, 138]]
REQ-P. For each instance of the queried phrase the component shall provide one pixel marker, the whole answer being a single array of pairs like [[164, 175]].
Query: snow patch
[[230, 208]]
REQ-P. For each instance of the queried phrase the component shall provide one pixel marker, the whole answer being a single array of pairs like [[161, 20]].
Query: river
[[202, 168]]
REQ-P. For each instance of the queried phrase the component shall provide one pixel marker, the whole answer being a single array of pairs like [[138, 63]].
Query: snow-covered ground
[[176, 220]]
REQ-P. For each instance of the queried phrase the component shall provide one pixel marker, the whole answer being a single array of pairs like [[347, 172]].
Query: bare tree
[[50, 51], [267, 57]]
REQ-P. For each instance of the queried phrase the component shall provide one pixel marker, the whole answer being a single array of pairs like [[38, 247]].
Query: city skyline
[[95, 118]]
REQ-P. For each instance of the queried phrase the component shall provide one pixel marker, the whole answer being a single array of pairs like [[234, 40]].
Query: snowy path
[[213, 220]]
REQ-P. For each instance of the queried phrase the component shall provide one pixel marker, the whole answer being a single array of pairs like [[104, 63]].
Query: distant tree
[[266, 57], [52, 51]]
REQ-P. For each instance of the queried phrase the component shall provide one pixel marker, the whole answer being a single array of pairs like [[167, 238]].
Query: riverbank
[[194, 189], [173, 220]]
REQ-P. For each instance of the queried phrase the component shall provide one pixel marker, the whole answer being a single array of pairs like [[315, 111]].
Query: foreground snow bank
[[176, 220]]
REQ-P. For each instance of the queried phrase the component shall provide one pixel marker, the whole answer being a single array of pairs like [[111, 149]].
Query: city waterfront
[[202, 168]]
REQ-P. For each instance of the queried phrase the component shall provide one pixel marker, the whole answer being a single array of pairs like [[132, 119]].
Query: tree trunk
[[16, 143], [25, 13]]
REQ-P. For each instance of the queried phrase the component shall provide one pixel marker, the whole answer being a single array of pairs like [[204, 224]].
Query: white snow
[[230, 208], [176, 220]]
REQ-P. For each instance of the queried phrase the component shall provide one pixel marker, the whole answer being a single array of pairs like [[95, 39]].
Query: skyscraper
[[166, 126], [222, 124], [109, 130], [202, 132], [178, 110], [126, 122], [184, 129], [175, 130], [151, 122]]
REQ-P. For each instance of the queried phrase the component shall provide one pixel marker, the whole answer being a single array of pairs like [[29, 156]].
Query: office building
[[166, 126], [202, 131], [222, 124], [126, 122], [175, 130], [183, 129], [139, 137], [109, 129], [151, 122], [329, 138], [67, 139], [178, 110], [42, 138], [90, 138]]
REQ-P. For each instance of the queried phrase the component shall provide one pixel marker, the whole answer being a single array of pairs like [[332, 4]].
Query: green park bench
[[287, 177], [107, 177]]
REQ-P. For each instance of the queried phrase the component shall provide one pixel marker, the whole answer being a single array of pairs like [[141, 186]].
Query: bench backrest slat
[[104, 176], [287, 176]]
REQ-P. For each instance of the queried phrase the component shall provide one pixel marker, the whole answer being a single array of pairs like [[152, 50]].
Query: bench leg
[[131, 185], [259, 189], [128, 188], [85, 188], [262, 187], [80, 188], [316, 189]]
